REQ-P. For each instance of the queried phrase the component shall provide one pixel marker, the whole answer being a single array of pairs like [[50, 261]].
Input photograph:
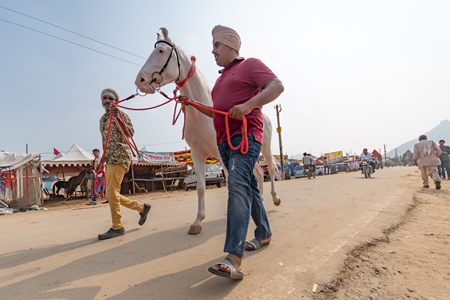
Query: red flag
[[55, 152]]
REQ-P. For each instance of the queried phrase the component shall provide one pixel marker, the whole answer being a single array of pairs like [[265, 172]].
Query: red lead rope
[[127, 136], [243, 146]]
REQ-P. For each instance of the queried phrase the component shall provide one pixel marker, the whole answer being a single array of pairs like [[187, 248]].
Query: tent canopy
[[76, 156], [11, 161]]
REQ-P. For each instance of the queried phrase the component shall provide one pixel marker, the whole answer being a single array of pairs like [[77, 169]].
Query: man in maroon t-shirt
[[243, 87]]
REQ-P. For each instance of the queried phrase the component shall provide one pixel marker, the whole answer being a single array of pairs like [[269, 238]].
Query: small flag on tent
[[55, 152]]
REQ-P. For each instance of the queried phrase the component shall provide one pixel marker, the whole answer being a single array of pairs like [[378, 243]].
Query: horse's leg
[[259, 174], [272, 168], [199, 164], [271, 163]]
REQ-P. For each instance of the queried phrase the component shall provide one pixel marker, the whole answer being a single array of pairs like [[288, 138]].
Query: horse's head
[[162, 66]]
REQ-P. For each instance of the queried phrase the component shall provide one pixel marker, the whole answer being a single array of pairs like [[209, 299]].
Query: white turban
[[110, 92]]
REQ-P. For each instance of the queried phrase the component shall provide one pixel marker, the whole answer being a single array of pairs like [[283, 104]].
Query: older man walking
[[118, 161], [426, 157]]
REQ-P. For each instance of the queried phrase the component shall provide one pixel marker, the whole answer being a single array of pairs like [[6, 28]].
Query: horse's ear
[[159, 37], [165, 33]]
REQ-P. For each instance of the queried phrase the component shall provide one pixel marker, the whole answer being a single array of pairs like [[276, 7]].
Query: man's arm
[[205, 111], [270, 92], [416, 154]]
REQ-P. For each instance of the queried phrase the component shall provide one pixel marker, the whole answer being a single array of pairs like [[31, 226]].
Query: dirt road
[[55, 254]]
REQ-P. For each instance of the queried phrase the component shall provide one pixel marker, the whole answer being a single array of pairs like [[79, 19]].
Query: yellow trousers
[[114, 177]]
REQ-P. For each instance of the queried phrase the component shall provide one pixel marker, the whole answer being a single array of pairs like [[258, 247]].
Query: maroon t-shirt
[[240, 80]]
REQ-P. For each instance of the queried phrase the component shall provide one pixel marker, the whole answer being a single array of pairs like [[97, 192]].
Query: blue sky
[[356, 73]]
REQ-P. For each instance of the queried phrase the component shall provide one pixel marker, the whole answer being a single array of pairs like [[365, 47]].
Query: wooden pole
[[278, 109]]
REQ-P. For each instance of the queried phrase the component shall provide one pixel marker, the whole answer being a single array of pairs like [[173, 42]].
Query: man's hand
[[113, 110], [206, 110], [239, 111]]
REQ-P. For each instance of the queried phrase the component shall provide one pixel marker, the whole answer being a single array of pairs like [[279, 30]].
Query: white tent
[[20, 183], [11, 161], [76, 156]]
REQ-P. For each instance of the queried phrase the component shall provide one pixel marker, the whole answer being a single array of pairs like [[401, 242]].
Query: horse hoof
[[195, 229], [277, 201]]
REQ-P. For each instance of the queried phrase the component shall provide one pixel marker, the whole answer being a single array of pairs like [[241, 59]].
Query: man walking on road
[[118, 161], [243, 87], [426, 157], [445, 161]]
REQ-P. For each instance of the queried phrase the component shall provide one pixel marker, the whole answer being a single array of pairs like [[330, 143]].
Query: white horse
[[168, 63]]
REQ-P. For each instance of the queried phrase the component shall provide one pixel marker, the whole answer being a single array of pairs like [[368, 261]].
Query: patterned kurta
[[118, 152]]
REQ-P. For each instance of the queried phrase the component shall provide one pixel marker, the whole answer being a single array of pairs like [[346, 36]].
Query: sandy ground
[[412, 260], [335, 237]]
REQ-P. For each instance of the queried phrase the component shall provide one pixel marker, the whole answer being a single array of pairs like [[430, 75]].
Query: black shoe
[[111, 233], [105, 202], [92, 203], [438, 185], [144, 214], [426, 186]]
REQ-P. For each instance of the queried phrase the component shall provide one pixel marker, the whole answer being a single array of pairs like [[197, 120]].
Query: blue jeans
[[444, 164], [99, 189], [244, 199]]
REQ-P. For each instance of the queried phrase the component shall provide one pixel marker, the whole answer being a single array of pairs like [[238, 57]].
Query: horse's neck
[[196, 87]]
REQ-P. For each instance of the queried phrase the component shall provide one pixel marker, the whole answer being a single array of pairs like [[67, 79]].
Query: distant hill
[[440, 132]]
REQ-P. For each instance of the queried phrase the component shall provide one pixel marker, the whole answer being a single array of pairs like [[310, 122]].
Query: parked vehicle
[[342, 167], [366, 168], [320, 170], [214, 176], [333, 169], [299, 172]]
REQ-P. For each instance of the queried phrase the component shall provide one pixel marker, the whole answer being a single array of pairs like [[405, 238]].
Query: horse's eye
[[160, 51]]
